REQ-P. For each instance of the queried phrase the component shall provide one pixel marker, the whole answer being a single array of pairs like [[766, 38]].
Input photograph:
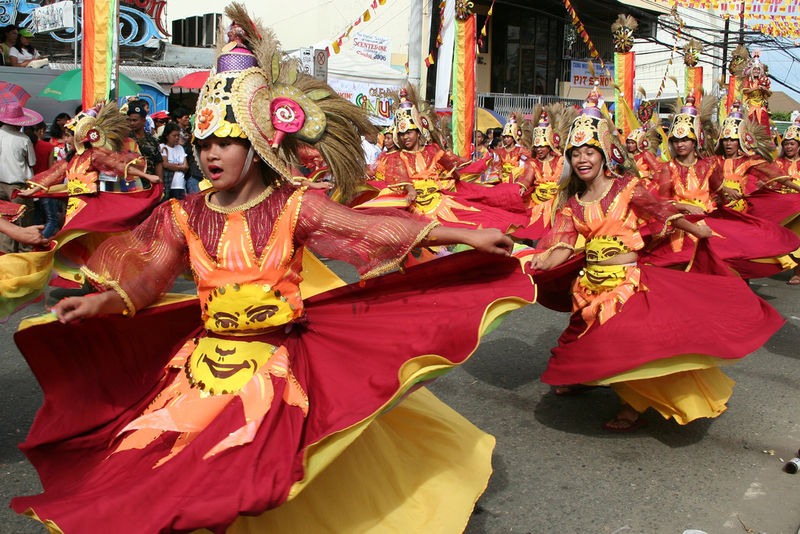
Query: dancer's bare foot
[[626, 420]]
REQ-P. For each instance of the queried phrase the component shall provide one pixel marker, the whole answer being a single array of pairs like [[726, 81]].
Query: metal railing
[[505, 103]]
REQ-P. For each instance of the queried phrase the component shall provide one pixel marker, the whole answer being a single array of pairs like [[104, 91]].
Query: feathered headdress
[[413, 113], [691, 52], [752, 137], [738, 61], [622, 32], [511, 128], [100, 126], [255, 92]]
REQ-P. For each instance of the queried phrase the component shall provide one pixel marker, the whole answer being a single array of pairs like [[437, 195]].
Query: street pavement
[[555, 469]]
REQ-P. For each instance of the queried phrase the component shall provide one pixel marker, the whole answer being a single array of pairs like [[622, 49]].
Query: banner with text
[[374, 47], [581, 75], [372, 97]]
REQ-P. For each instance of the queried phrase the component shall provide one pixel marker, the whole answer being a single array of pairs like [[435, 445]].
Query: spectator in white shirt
[[17, 157], [23, 52], [174, 160]]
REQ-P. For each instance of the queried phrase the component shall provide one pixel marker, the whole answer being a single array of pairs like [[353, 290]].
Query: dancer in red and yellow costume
[[249, 408], [511, 159], [642, 144], [540, 187], [756, 91], [621, 308], [425, 179], [789, 161], [695, 184], [105, 197]]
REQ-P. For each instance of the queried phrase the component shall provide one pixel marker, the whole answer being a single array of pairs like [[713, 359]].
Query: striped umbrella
[[10, 93]]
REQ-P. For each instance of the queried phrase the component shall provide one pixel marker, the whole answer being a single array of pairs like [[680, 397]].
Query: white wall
[[299, 23]]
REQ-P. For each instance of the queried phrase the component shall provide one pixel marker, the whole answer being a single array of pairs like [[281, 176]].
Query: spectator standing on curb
[[148, 145], [194, 175], [17, 156], [175, 165], [9, 38]]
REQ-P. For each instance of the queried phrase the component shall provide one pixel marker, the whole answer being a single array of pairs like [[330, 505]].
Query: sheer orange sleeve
[[656, 212], [115, 163], [769, 174], [563, 234], [141, 265], [52, 176], [450, 161], [374, 242]]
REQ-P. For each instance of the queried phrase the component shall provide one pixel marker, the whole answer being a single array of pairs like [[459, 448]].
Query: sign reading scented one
[[374, 47]]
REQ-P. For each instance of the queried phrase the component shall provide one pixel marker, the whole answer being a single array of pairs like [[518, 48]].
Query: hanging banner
[[694, 83], [464, 57], [52, 17], [580, 75], [624, 68], [374, 47], [98, 50], [372, 97]]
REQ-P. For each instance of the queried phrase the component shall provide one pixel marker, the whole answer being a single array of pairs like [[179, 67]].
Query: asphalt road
[[555, 469]]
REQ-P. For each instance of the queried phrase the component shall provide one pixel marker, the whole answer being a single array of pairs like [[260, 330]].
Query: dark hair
[[496, 140], [137, 103], [498, 132], [56, 131], [4, 31], [177, 113], [30, 131], [78, 109], [168, 129], [18, 46]]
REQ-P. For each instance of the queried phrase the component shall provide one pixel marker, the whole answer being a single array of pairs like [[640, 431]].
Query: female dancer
[[657, 336], [250, 410]]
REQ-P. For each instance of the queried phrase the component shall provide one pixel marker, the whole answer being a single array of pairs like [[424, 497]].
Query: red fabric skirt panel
[[680, 313], [100, 374]]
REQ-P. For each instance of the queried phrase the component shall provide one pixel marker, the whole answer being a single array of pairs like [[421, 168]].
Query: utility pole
[[741, 23]]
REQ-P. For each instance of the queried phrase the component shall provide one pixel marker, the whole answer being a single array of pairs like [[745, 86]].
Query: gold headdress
[[543, 134], [752, 137], [512, 128], [101, 126], [622, 32], [594, 128], [255, 92], [412, 113], [793, 131]]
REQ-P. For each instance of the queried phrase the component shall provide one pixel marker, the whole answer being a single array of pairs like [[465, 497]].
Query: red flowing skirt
[[679, 313], [744, 238], [98, 375]]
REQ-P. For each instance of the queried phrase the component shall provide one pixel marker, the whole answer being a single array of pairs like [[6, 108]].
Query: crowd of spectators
[[30, 147], [17, 47]]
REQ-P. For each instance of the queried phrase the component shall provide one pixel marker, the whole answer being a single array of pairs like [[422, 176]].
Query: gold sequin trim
[[100, 281], [241, 207], [393, 264]]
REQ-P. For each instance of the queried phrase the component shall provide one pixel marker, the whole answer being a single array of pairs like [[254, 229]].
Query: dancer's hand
[[731, 193], [30, 235], [25, 193], [76, 308], [316, 185], [152, 178], [491, 241], [411, 194], [689, 209]]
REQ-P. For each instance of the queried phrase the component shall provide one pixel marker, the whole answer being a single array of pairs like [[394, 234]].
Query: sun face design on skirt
[[428, 195]]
